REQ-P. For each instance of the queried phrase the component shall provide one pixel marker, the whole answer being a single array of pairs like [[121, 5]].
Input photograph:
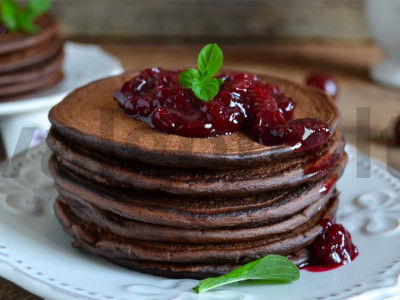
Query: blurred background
[[289, 38], [231, 21]]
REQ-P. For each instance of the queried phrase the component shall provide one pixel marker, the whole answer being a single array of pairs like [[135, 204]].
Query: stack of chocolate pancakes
[[30, 62], [188, 207]]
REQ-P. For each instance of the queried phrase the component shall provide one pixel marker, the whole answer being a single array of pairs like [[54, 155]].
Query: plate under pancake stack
[[30, 62], [183, 207]]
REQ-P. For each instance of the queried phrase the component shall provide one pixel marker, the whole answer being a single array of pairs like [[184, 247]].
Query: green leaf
[[25, 23], [34, 9], [271, 267], [210, 60], [205, 89], [15, 18], [200, 81], [187, 77], [9, 14], [38, 7]]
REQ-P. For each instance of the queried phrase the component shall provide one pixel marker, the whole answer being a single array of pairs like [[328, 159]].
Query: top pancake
[[20, 41], [90, 117]]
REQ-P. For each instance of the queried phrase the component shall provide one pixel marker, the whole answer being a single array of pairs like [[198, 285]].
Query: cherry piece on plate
[[333, 246], [323, 82]]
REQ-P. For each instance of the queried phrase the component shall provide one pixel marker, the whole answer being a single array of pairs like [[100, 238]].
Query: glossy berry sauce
[[333, 248], [243, 103], [322, 164], [328, 185], [323, 82]]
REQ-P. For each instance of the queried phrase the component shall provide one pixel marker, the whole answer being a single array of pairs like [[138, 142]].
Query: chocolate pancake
[[19, 41], [191, 212], [31, 56], [240, 252], [34, 72], [185, 260], [187, 207], [198, 271], [90, 117], [34, 85], [135, 174], [132, 229]]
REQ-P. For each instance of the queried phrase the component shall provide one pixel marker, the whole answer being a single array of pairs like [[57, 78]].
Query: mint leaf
[[25, 23], [187, 77], [200, 81], [34, 9], [15, 18], [205, 89], [271, 267], [210, 60], [9, 14], [38, 7]]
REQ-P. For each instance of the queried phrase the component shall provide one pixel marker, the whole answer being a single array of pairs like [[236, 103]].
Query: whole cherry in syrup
[[333, 247], [323, 82]]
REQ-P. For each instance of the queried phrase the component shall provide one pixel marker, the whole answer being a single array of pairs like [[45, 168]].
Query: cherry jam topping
[[333, 247], [323, 82], [243, 102]]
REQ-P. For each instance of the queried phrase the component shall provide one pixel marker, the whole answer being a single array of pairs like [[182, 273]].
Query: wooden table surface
[[367, 109]]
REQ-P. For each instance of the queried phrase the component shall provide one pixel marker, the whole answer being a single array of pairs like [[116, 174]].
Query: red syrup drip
[[243, 103], [328, 185], [333, 248], [322, 164], [318, 269]]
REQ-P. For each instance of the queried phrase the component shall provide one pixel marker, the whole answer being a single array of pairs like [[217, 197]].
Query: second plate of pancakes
[[30, 63], [97, 64], [31, 111]]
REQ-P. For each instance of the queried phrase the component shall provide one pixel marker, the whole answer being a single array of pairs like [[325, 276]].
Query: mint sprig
[[201, 81], [271, 267], [15, 18]]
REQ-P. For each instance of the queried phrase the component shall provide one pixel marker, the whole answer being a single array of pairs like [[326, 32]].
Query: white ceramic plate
[[36, 254], [82, 64]]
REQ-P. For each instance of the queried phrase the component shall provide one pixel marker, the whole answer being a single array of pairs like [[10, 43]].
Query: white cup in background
[[383, 17]]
